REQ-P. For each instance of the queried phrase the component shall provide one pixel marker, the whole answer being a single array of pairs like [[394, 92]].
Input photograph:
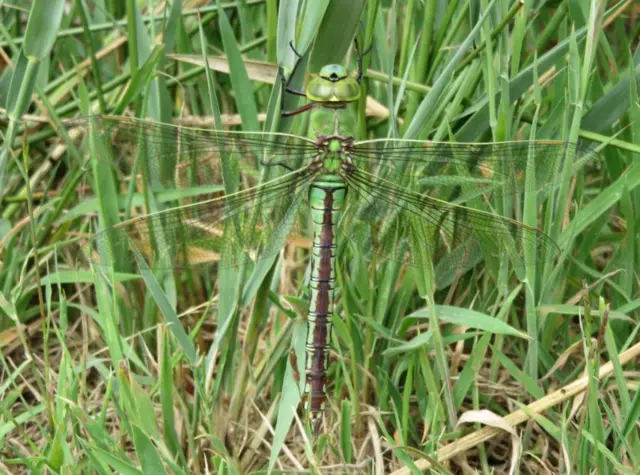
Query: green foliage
[[141, 370]]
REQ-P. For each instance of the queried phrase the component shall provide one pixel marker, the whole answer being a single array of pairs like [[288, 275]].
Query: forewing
[[166, 156]]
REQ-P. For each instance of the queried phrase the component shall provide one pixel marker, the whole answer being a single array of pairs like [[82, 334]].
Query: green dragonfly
[[240, 194]]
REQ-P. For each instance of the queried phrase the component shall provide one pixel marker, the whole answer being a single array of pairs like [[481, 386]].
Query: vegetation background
[[190, 373]]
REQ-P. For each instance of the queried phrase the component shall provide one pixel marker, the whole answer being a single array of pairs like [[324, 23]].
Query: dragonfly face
[[333, 85]]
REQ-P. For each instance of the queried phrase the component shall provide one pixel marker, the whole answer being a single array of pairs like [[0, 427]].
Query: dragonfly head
[[334, 72], [333, 84]]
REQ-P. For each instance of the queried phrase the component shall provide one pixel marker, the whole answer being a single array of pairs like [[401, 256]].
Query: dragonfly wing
[[190, 170], [387, 218], [169, 156], [459, 171], [252, 223]]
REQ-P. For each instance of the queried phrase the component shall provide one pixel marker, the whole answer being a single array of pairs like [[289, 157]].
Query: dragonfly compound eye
[[333, 72]]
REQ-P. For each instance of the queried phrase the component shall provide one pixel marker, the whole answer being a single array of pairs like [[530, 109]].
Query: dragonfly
[[240, 194]]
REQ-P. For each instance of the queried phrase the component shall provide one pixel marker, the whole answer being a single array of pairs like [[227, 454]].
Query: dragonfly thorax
[[334, 151]]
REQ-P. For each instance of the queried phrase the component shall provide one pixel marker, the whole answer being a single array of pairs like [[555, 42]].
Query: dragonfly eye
[[333, 84], [333, 72]]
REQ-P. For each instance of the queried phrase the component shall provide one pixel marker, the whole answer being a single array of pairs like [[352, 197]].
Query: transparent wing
[[389, 220], [252, 223], [191, 170], [459, 171], [169, 156]]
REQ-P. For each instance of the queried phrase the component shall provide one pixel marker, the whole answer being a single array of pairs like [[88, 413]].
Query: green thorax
[[327, 121], [332, 127]]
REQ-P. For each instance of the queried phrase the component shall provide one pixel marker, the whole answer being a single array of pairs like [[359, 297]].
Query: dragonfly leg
[[360, 56], [286, 83], [299, 110], [277, 163], [286, 88], [295, 50]]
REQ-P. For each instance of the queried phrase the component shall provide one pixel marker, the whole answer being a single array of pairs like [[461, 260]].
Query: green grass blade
[[340, 24], [431, 99], [242, 87], [291, 393], [42, 29], [160, 298]]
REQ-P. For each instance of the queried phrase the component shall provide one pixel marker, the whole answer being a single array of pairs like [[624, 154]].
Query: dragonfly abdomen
[[327, 197]]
